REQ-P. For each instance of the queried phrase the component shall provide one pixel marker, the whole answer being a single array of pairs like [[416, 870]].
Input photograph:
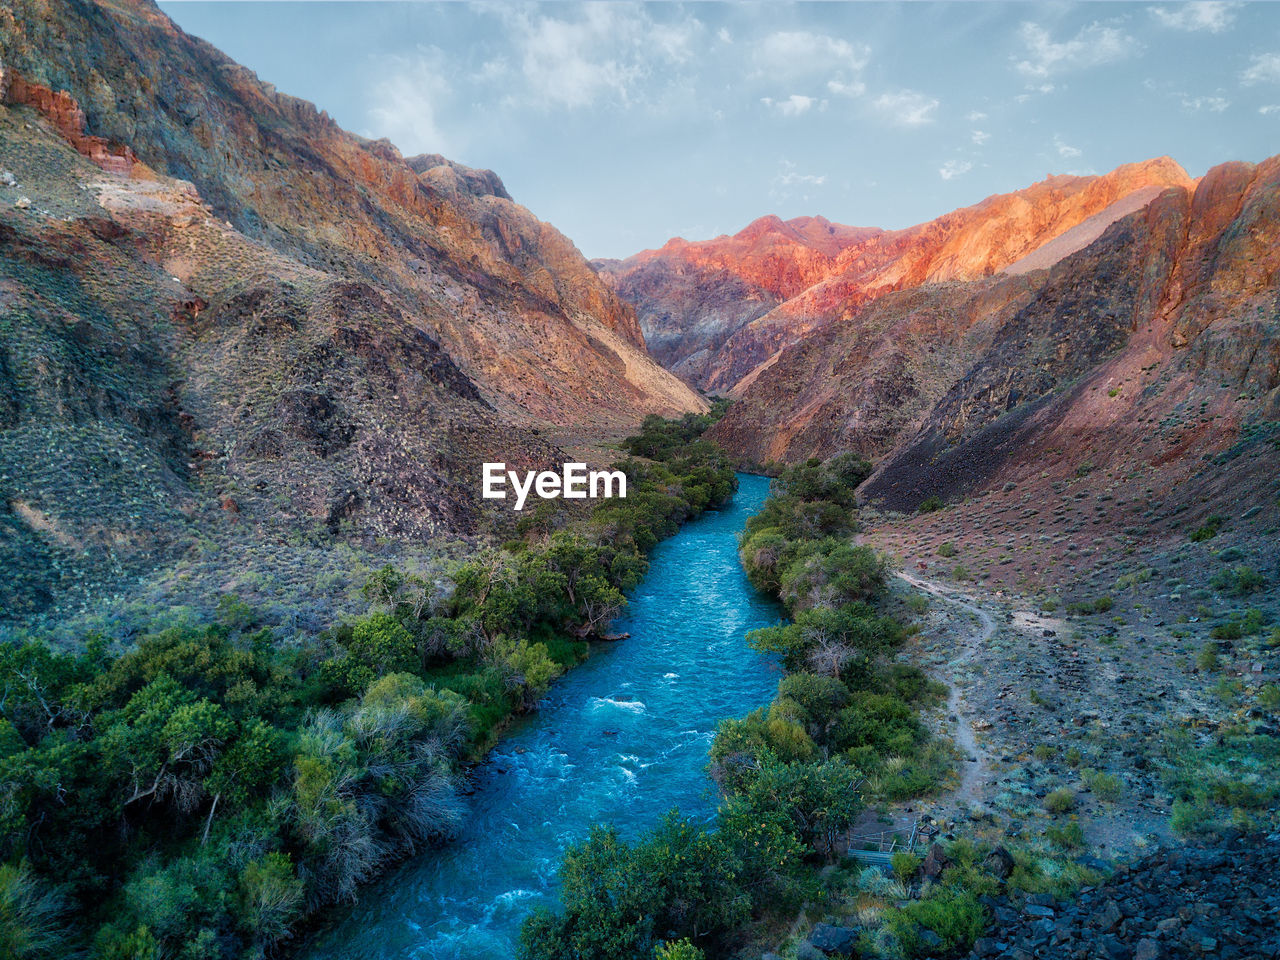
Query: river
[[622, 739]]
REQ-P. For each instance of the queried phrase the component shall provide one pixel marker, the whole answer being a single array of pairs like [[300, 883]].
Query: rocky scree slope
[[218, 308]]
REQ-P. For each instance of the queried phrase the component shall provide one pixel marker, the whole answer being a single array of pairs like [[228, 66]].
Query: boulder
[[999, 862], [934, 862], [831, 939]]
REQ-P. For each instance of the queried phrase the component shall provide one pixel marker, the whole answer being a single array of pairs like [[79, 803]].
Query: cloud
[[979, 137], [1210, 16], [792, 53], [599, 53], [794, 105], [789, 180], [1212, 104], [1065, 150], [1269, 109], [840, 88], [907, 108], [954, 168], [1092, 46], [975, 116], [406, 103], [1265, 68]]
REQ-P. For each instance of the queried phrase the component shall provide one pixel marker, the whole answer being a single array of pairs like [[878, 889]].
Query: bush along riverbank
[[844, 739], [198, 795]]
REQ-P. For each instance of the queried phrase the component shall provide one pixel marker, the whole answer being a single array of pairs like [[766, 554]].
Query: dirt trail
[[973, 773]]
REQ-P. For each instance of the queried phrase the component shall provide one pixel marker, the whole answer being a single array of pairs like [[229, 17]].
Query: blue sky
[[626, 124]]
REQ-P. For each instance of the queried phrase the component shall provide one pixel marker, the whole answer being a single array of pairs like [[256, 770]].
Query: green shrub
[[1068, 836], [1105, 786], [1061, 800], [905, 865], [931, 504], [947, 550], [1238, 581], [1208, 531]]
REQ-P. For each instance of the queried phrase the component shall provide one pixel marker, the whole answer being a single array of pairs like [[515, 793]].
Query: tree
[[821, 798]]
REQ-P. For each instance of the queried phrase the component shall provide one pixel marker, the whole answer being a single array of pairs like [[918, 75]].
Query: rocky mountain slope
[[715, 311], [1083, 334], [218, 308]]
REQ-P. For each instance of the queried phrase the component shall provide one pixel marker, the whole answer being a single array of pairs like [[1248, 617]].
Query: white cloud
[[789, 180], [1065, 150], [1092, 46], [793, 53], [793, 105], [799, 54], [907, 108], [1212, 104], [600, 52], [1211, 16], [406, 103], [1269, 109], [840, 88], [976, 116], [954, 168], [1264, 69], [979, 137]]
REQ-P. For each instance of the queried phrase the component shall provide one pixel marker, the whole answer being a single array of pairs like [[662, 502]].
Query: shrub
[[905, 865], [947, 550], [679, 950], [931, 504], [1239, 580], [1060, 801], [1106, 786], [1208, 531], [31, 918], [1207, 658], [1068, 836]]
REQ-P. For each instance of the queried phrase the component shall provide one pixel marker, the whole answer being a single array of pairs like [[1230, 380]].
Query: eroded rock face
[[213, 293], [716, 311]]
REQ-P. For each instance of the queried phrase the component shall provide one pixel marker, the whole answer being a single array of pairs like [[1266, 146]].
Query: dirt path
[[974, 764]]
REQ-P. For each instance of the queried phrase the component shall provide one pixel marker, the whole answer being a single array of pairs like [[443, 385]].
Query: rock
[[986, 947], [22, 203], [935, 862], [999, 862], [1148, 949], [928, 939], [1109, 917], [831, 939], [1035, 910], [807, 951], [7, 179]]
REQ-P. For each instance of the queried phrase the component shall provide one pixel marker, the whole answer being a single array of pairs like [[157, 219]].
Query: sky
[[627, 124]]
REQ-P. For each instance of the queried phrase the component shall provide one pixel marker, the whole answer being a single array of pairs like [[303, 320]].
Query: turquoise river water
[[622, 739]]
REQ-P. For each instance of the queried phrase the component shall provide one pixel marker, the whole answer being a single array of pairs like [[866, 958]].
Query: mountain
[[1113, 338], [692, 297], [219, 309], [715, 311]]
